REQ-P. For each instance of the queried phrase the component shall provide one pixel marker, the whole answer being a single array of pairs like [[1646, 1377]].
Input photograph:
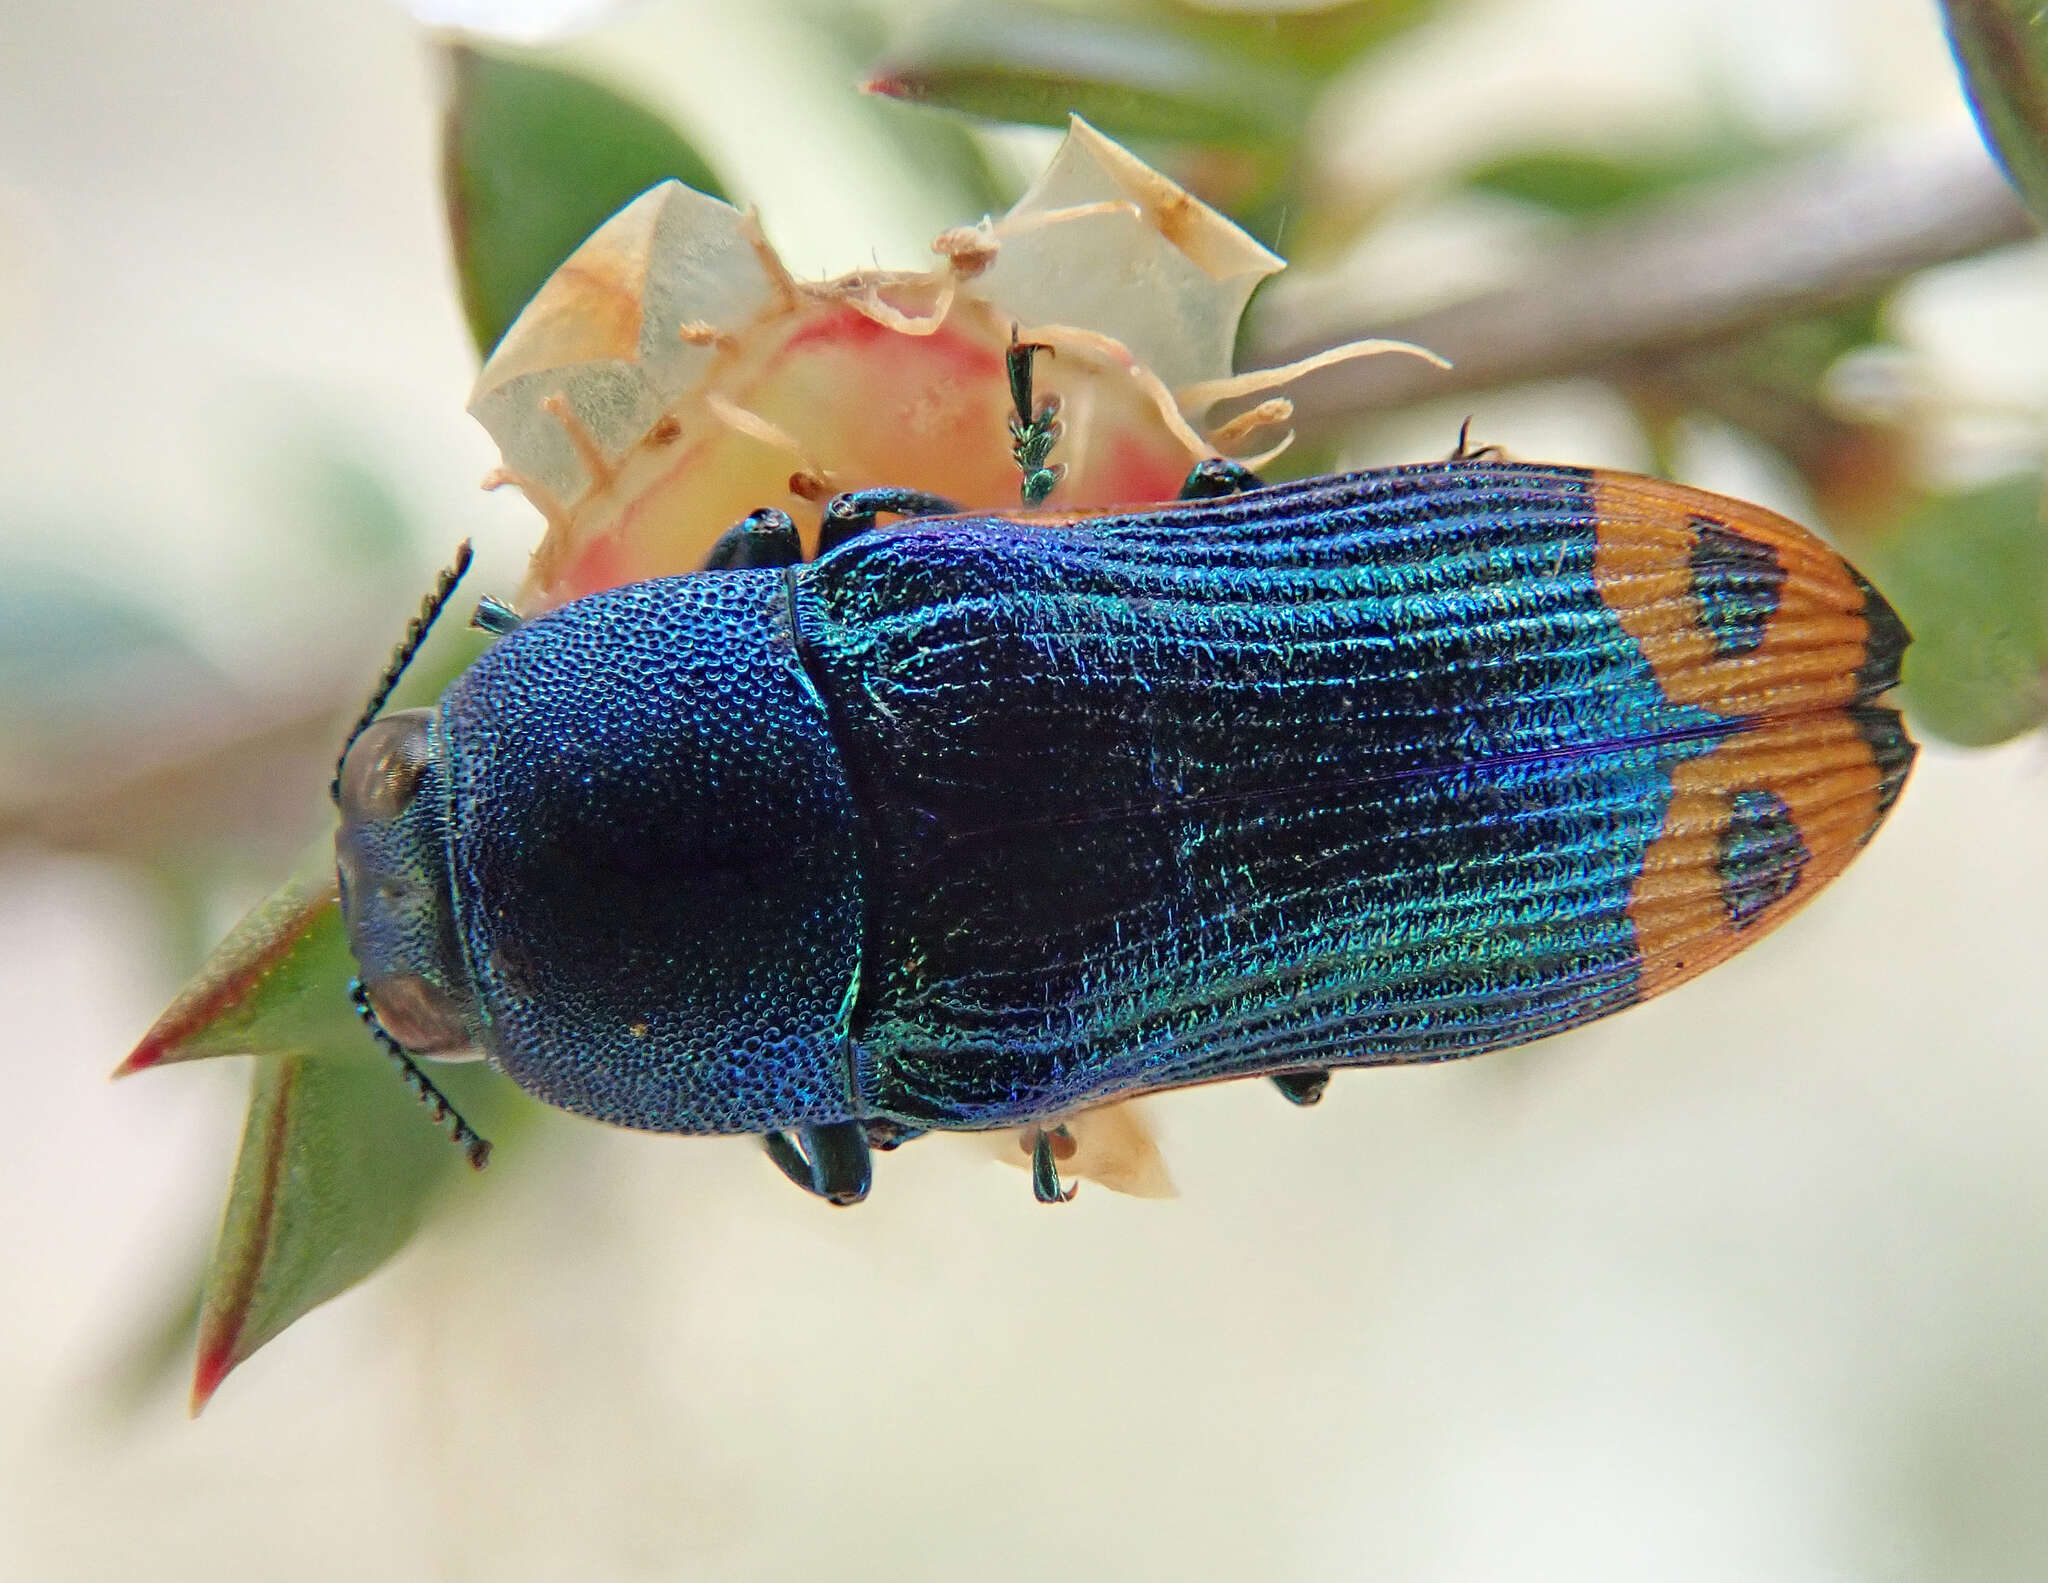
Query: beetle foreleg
[[760, 539], [832, 1160], [1045, 1169], [855, 512], [1216, 476], [494, 616], [1302, 1088]]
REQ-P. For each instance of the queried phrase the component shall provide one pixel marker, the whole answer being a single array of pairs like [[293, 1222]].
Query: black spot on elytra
[[1891, 750], [1761, 855], [1736, 581], [1884, 642]]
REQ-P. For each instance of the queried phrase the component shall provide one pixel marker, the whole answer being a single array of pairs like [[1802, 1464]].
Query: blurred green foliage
[[535, 158], [1969, 574], [2002, 48]]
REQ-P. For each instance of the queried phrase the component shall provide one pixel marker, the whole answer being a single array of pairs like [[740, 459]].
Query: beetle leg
[[1045, 1169], [1035, 430], [848, 514], [1216, 476], [831, 1162], [1467, 452], [762, 538], [1302, 1088]]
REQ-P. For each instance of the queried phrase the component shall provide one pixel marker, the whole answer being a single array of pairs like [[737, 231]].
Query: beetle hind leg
[[831, 1161]]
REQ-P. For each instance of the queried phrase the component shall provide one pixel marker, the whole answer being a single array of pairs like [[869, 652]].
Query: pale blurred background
[[1751, 1282]]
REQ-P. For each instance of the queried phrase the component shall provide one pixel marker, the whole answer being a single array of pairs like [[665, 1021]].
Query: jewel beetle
[[977, 819]]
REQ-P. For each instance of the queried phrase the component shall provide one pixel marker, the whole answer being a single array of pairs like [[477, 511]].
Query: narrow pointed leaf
[[1585, 185], [1319, 42], [2002, 48], [1039, 65], [273, 986], [535, 158], [339, 1166]]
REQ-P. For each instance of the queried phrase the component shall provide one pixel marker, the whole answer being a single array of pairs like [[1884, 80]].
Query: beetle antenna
[[460, 1132], [408, 646]]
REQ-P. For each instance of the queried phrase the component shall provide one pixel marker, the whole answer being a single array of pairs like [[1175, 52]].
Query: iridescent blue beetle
[[979, 819]]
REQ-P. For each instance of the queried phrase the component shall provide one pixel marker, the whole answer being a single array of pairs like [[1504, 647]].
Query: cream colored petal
[[1198, 398], [605, 334], [1103, 242]]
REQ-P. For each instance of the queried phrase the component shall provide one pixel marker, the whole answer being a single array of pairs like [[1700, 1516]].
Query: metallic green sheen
[[1351, 771]]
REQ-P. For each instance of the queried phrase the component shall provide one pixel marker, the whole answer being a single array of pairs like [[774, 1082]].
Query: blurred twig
[[240, 779], [1800, 238]]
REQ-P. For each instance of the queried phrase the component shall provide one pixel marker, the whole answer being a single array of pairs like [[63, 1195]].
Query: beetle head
[[391, 857]]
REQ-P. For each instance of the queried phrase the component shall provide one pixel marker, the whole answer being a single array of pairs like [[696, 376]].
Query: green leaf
[[1584, 185], [1969, 574], [339, 1164], [274, 986], [942, 151], [535, 158], [2001, 47], [337, 1171], [1133, 79], [1319, 42]]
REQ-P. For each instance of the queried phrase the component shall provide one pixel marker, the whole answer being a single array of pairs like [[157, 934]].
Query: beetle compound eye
[[381, 774], [416, 1014]]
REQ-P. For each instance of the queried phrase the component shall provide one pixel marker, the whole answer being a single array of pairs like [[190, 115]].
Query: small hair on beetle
[[460, 1132], [408, 646]]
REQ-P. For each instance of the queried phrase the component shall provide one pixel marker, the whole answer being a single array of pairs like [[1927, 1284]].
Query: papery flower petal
[[607, 343], [672, 377], [1103, 242]]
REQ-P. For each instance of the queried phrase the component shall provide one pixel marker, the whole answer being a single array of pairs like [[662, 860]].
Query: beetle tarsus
[[1045, 1169], [764, 538], [1214, 477], [1035, 430], [830, 1161], [1302, 1088], [494, 616], [854, 513], [1468, 452]]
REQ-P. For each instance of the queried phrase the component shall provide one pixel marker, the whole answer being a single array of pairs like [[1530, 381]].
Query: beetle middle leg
[[1214, 477], [831, 1161], [855, 512]]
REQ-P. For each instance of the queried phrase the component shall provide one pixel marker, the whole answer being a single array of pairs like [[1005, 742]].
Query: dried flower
[[672, 376]]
